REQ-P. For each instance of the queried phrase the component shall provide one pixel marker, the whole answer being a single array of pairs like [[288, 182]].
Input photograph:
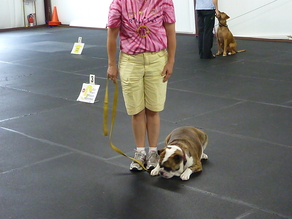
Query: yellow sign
[[77, 48]]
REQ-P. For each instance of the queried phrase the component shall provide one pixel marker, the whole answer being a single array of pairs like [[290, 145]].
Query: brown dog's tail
[[243, 50]]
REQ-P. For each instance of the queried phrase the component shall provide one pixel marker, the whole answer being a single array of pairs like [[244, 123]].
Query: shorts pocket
[[162, 53]]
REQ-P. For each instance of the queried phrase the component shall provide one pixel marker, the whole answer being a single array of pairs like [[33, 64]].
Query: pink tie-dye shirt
[[141, 24]]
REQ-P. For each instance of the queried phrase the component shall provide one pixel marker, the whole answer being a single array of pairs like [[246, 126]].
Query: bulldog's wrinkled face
[[171, 161]]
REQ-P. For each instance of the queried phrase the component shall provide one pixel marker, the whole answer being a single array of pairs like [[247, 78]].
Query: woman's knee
[[151, 113]]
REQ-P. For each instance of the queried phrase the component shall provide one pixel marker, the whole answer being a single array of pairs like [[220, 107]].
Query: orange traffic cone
[[55, 20]]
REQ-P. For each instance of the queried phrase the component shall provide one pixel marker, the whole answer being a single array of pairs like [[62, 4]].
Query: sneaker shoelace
[[139, 156]]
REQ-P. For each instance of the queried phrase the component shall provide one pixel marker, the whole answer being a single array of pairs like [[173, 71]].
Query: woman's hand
[[167, 71], [112, 73]]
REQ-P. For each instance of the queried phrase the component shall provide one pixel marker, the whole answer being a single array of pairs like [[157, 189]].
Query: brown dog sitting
[[226, 42]]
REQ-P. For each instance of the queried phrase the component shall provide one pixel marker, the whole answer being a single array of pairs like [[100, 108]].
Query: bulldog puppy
[[183, 153]]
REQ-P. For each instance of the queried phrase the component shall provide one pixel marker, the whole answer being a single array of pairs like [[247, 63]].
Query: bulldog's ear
[[177, 158], [160, 151]]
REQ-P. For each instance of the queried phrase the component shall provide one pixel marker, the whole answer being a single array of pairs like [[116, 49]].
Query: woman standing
[[206, 10], [147, 40]]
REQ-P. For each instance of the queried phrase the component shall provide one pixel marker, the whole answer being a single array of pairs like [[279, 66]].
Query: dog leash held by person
[[113, 116]]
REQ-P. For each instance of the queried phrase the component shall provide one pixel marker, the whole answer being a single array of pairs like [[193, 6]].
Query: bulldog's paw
[[155, 171], [204, 156], [186, 174]]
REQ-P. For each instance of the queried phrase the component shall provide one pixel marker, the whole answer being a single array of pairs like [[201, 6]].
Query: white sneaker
[[152, 160], [134, 166]]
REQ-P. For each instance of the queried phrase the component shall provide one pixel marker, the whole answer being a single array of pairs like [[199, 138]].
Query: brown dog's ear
[[223, 15]]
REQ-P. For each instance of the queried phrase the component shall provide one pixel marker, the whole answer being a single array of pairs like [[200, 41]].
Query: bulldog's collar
[[184, 154], [184, 157]]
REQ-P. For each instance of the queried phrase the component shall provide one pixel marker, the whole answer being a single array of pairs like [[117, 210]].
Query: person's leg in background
[[201, 32], [209, 21]]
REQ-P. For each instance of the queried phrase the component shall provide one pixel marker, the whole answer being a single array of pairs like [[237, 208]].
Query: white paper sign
[[77, 48], [88, 93]]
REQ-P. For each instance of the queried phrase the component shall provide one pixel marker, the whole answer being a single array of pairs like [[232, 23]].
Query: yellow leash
[[105, 121]]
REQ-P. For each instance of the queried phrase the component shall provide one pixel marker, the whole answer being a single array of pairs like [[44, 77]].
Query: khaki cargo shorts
[[142, 82]]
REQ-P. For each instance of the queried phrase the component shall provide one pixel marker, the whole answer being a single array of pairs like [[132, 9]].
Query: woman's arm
[[112, 70], [171, 49], [215, 2]]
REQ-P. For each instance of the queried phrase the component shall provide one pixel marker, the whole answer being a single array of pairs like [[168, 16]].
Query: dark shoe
[[210, 57]]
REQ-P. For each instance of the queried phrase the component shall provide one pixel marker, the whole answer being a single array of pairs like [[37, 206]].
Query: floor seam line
[[249, 138], [38, 162], [231, 98], [107, 160], [237, 201], [28, 91], [245, 214], [54, 144], [35, 113], [211, 111]]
